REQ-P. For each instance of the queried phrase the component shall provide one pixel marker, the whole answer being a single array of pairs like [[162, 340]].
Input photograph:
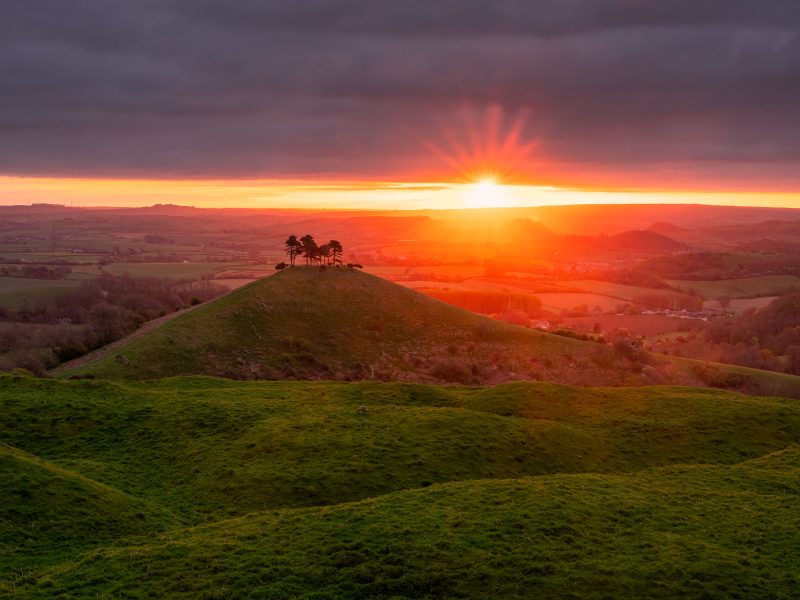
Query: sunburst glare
[[484, 147]]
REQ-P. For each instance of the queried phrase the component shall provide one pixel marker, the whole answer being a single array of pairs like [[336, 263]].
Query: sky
[[399, 104]]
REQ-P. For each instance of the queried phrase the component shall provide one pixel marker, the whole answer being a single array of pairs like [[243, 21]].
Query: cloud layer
[[615, 92]]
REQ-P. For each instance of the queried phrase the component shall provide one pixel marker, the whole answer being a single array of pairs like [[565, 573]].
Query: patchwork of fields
[[16, 291]]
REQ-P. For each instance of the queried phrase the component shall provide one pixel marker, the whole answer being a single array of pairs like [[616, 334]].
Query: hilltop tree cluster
[[306, 247]]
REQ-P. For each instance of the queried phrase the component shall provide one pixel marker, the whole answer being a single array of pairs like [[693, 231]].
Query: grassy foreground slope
[[207, 448], [679, 532], [517, 485], [47, 512]]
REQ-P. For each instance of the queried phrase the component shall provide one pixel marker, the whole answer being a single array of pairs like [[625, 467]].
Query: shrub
[[451, 370]]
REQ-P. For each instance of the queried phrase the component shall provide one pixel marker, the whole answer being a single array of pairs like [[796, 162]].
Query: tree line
[[329, 253], [38, 336]]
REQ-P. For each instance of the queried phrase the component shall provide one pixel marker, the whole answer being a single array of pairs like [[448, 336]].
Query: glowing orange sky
[[473, 159], [363, 195]]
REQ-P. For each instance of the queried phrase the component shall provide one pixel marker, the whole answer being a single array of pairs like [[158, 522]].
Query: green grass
[[287, 489], [48, 513], [15, 291], [749, 287], [694, 532]]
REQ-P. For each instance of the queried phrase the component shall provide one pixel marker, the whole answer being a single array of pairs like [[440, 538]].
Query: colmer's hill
[[342, 324]]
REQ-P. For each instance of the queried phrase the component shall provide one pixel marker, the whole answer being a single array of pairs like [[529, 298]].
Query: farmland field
[[649, 325], [232, 283], [14, 291], [749, 287], [456, 272], [616, 290], [37, 257], [740, 305], [526, 285], [173, 270], [568, 301]]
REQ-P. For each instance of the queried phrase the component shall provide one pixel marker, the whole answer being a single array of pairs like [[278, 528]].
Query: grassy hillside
[[689, 532], [341, 324], [308, 323], [548, 474], [47, 512]]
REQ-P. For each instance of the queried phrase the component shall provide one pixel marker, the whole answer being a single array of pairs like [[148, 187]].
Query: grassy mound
[[688, 532], [341, 324], [307, 323]]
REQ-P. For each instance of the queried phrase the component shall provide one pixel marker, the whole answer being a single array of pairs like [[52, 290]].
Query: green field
[[39, 257], [207, 488], [749, 287], [15, 291], [174, 270]]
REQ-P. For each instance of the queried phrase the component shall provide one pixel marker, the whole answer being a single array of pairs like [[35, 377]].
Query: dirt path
[[109, 348]]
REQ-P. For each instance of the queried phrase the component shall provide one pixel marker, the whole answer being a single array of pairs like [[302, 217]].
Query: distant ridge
[[665, 228], [645, 241]]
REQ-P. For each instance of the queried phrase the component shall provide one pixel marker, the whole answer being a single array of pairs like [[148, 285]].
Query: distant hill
[[773, 229], [645, 241], [665, 228]]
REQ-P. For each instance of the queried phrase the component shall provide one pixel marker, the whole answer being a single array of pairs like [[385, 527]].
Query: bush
[[715, 377], [451, 370]]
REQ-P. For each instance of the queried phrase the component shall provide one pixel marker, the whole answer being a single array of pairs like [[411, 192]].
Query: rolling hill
[[203, 487], [690, 532], [35, 528], [342, 324]]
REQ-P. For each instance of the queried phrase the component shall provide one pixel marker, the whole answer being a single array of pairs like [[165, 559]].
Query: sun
[[485, 192]]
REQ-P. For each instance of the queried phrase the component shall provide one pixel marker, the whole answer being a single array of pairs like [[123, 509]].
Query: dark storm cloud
[[201, 88]]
